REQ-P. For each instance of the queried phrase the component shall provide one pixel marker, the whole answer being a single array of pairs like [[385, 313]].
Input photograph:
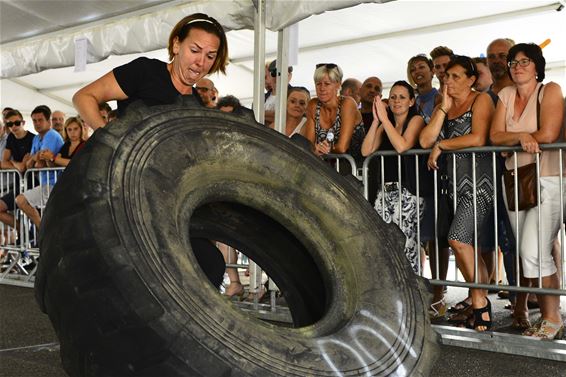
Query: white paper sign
[[81, 51]]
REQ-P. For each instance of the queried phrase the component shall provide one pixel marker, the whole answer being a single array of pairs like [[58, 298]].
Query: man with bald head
[[207, 92], [497, 52], [351, 88], [58, 121], [371, 87]]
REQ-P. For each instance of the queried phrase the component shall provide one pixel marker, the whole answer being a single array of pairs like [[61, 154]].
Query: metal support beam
[[259, 61], [500, 342], [282, 79]]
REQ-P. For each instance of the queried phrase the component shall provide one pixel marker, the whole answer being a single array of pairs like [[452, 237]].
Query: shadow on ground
[[29, 347]]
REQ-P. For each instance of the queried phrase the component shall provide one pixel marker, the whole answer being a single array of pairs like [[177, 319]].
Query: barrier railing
[[337, 158], [19, 236], [496, 177], [19, 248]]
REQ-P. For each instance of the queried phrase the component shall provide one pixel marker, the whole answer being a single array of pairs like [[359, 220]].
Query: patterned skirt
[[389, 212]]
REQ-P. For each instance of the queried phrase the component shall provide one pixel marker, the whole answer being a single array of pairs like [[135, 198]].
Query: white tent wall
[[365, 40]]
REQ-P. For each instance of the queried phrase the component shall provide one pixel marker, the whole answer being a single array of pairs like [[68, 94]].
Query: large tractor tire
[[119, 273]]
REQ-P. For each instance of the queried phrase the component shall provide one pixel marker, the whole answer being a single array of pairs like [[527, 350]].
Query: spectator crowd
[[499, 99]]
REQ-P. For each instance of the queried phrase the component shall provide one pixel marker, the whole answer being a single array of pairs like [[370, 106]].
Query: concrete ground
[[29, 347]]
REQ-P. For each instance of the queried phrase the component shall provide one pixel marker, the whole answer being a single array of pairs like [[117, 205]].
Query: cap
[[273, 68]]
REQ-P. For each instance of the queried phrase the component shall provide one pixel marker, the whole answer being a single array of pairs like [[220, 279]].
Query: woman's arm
[[404, 142], [373, 138], [429, 134], [87, 99], [350, 118], [482, 112], [309, 131], [6, 163], [308, 128], [551, 114], [61, 161], [550, 124]]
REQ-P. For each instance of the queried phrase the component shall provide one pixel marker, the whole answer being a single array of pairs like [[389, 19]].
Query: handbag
[[527, 187], [527, 184]]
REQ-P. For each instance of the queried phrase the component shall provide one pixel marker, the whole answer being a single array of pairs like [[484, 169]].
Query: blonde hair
[[70, 121], [334, 73]]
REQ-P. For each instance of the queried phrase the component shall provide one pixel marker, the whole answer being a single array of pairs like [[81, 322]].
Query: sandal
[[478, 319], [462, 305], [521, 323], [461, 318], [437, 309], [533, 329], [549, 331]]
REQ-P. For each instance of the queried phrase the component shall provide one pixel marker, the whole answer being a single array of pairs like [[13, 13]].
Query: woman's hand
[[433, 157], [322, 148], [446, 104], [376, 101], [529, 143], [46, 155], [379, 109]]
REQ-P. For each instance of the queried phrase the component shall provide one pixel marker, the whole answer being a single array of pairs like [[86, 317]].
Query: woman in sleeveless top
[[397, 128], [333, 114], [516, 122], [461, 121]]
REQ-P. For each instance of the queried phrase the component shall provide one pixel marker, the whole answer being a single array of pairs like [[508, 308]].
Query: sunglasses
[[326, 65], [14, 123]]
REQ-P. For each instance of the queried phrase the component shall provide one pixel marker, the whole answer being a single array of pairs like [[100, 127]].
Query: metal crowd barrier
[[18, 238], [419, 153], [338, 158], [493, 340]]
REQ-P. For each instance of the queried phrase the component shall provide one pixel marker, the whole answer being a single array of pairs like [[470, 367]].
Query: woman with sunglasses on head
[[396, 126], [334, 124], [197, 47], [528, 114], [462, 121]]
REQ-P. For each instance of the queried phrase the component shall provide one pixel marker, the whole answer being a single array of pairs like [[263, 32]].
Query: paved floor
[[29, 348]]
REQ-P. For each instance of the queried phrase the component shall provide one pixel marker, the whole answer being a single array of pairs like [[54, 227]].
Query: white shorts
[[528, 236], [37, 196]]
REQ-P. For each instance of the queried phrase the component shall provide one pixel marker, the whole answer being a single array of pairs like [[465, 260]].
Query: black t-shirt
[[147, 80], [19, 147], [64, 152]]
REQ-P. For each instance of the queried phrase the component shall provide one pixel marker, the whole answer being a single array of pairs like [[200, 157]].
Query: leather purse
[[527, 187], [527, 184]]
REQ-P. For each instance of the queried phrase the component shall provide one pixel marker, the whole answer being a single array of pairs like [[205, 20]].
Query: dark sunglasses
[[326, 65], [14, 123]]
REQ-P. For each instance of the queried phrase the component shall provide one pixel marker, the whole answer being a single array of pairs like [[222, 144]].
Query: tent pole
[[282, 79], [259, 61]]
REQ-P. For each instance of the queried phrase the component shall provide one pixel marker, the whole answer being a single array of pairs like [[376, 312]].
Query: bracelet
[[444, 111]]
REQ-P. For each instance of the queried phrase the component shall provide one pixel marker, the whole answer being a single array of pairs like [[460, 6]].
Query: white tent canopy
[[365, 40]]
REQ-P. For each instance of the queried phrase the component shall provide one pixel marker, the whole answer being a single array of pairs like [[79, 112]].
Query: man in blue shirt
[[46, 139]]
